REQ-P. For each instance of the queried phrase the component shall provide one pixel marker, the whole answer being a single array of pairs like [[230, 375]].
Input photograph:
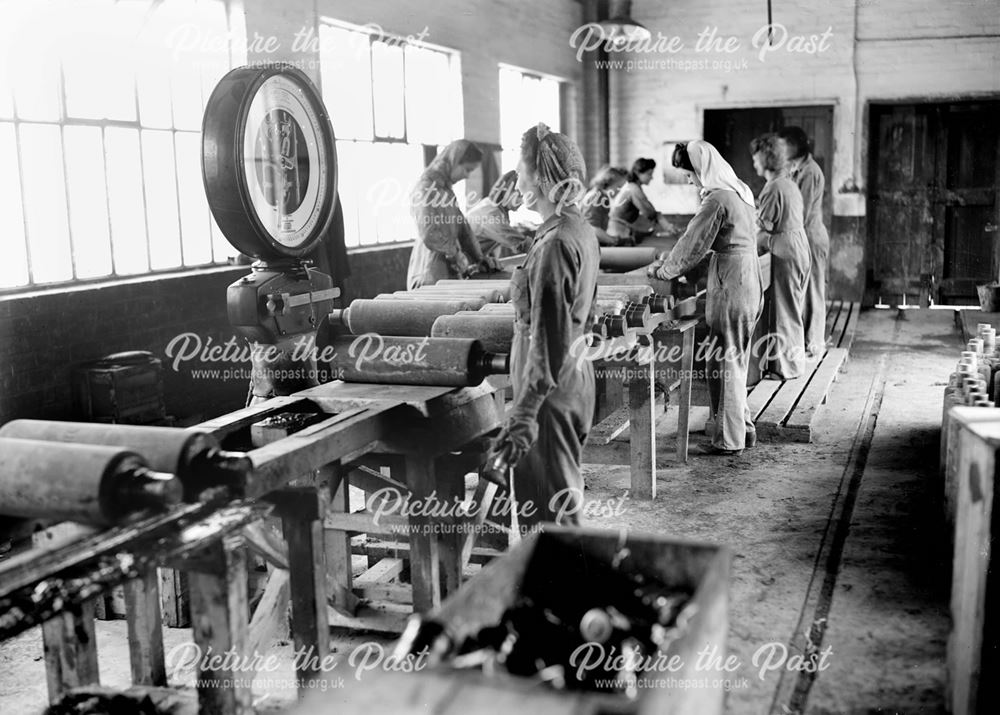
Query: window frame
[[234, 55]]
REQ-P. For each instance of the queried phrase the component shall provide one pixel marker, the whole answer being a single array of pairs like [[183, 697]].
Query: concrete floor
[[880, 587]]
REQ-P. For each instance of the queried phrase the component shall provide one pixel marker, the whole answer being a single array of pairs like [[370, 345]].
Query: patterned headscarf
[[560, 167], [714, 172]]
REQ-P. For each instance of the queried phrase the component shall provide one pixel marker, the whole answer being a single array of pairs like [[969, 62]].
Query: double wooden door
[[933, 200]]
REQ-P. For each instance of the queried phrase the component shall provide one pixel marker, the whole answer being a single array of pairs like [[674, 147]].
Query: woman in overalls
[[723, 225], [553, 294]]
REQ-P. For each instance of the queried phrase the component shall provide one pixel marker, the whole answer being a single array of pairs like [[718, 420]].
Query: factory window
[[391, 101], [526, 98], [100, 137]]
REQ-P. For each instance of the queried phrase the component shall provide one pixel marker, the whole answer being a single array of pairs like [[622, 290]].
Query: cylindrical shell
[[490, 295], [502, 287], [466, 303], [625, 258], [626, 293], [397, 317], [448, 362], [636, 315], [497, 308], [603, 306], [52, 480], [495, 331], [165, 449]]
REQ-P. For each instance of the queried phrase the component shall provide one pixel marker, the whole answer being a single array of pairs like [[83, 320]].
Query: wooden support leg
[[70, 651], [145, 630], [684, 401], [302, 511], [425, 565], [642, 431], [219, 616], [451, 490], [337, 545], [174, 598]]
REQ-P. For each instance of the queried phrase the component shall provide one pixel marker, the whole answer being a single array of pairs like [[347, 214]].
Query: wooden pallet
[[785, 411]]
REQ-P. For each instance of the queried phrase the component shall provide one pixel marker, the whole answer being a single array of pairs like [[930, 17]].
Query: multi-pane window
[[101, 105], [525, 100], [390, 101]]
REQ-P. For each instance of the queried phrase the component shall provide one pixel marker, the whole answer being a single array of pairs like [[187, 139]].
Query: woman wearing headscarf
[[490, 219], [597, 201], [445, 246], [553, 294], [809, 177], [724, 225], [631, 204], [780, 231]]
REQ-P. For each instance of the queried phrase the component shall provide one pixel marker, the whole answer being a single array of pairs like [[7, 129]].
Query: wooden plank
[[394, 549], [302, 511], [642, 429], [145, 630], [374, 617], [219, 625], [610, 428], [851, 328], [773, 417], [761, 395], [832, 312], [70, 646], [817, 390], [483, 500], [270, 614], [363, 522], [383, 571], [837, 329]]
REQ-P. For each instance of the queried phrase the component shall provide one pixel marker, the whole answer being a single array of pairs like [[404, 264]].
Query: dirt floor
[[842, 538]]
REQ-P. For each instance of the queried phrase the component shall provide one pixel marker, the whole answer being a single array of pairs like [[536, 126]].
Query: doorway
[[732, 130], [932, 200]]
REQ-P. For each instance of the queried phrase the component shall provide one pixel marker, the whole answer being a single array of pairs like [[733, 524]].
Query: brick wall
[[905, 50], [44, 334]]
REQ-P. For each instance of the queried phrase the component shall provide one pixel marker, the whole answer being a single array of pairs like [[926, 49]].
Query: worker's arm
[[769, 208], [603, 238], [694, 244], [643, 203]]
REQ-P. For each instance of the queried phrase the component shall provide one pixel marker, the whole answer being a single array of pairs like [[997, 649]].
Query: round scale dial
[[269, 161]]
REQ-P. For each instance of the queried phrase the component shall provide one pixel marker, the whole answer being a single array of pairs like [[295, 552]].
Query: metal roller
[[659, 303], [466, 303], [195, 457], [87, 483], [636, 315], [623, 259], [447, 362], [502, 287], [627, 293], [490, 295], [494, 331], [408, 318]]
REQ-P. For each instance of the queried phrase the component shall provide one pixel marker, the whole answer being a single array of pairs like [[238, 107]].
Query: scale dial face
[[269, 161]]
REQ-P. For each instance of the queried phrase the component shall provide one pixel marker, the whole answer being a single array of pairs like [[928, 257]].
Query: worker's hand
[[652, 269], [489, 264]]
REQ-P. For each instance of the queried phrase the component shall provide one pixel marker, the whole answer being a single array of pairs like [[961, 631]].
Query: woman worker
[[490, 219], [724, 224], [631, 204], [806, 173], [780, 231], [597, 201], [553, 294], [445, 246]]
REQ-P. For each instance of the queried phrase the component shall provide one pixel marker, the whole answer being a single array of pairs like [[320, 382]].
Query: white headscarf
[[714, 172]]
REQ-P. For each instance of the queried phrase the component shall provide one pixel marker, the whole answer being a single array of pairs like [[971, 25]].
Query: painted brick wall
[[906, 49]]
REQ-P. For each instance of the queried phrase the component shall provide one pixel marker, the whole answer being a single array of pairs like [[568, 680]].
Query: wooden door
[[932, 202]]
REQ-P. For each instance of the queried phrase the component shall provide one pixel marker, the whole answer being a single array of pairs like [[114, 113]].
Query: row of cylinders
[[974, 381]]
